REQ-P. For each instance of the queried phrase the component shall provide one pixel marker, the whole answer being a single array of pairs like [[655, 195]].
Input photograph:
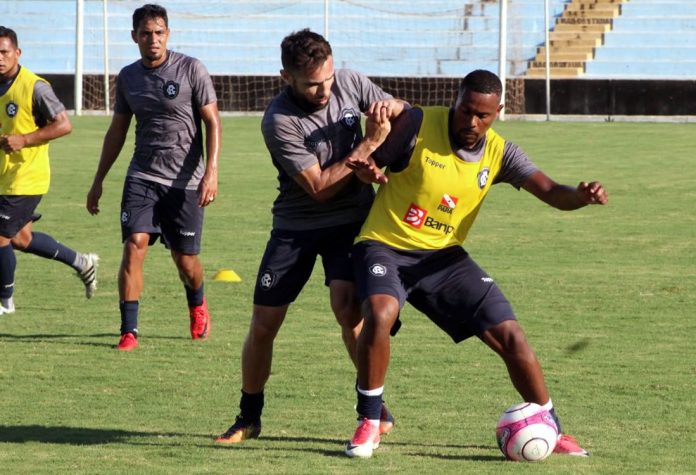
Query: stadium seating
[[396, 38], [650, 38]]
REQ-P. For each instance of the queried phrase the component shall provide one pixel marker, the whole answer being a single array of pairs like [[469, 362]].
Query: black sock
[[251, 406], [369, 406], [43, 245], [129, 316], [8, 263], [194, 297]]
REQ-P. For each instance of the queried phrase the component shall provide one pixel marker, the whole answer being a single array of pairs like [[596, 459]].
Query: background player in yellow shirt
[[441, 164], [30, 117]]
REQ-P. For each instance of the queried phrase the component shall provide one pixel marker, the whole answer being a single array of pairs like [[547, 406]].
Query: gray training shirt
[[166, 101], [298, 139]]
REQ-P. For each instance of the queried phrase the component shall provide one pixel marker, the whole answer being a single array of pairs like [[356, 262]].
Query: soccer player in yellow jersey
[[441, 163], [30, 117]]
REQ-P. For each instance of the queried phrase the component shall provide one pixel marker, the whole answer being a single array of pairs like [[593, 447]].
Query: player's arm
[[565, 197], [58, 127], [396, 150], [113, 144], [322, 185], [51, 118], [208, 188]]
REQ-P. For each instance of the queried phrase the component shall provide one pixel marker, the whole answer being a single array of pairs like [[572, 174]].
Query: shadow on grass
[[77, 339], [74, 435], [89, 436], [417, 450]]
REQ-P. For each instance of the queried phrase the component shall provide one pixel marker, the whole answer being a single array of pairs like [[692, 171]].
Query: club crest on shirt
[[170, 89], [447, 203], [349, 119], [11, 109], [482, 178]]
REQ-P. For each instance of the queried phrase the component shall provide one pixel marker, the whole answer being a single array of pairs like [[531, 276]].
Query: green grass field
[[607, 297]]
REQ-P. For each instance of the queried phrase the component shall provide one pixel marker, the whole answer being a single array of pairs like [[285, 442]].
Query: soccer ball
[[526, 432]]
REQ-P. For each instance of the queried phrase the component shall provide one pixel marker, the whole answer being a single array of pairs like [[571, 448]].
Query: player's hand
[[367, 171], [12, 143], [207, 190], [391, 107], [592, 193], [377, 126], [93, 196]]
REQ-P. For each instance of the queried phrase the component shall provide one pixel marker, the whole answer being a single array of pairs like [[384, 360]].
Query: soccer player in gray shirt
[[310, 129], [168, 183]]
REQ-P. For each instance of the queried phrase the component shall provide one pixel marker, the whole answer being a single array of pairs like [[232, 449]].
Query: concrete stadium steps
[[576, 34], [652, 39]]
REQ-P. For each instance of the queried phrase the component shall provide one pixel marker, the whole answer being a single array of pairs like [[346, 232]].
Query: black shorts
[[16, 211], [289, 260], [446, 285], [159, 210]]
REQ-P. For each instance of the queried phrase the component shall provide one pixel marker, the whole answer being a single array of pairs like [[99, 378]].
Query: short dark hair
[[304, 50], [481, 81], [151, 11], [9, 33]]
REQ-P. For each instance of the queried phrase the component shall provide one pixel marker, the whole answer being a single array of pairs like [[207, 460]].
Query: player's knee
[[20, 243], [347, 314], [264, 328], [514, 343], [380, 314]]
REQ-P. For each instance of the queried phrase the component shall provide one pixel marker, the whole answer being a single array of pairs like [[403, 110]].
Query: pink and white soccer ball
[[526, 432]]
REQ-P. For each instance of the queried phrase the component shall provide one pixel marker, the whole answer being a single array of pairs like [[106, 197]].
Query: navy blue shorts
[[446, 285], [159, 210], [16, 211], [289, 260]]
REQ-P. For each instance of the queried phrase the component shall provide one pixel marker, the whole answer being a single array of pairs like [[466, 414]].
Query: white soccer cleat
[[7, 307], [89, 275]]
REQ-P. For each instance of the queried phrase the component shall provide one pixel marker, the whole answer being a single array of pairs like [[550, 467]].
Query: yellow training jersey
[[27, 171], [433, 202]]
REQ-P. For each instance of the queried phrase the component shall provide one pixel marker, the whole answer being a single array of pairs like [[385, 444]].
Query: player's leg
[[508, 340], [335, 248], [191, 275], [286, 266], [44, 245], [346, 309], [381, 290], [8, 264], [181, 221], [139, 229], [488, 314], [130, 286], [16, 229]]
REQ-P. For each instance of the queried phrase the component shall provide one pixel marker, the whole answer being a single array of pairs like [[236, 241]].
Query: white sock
[[372, 392], [548, 406]]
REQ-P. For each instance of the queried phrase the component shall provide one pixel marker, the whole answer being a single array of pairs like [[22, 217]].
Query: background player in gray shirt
[[310, 129], [168, 183]]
